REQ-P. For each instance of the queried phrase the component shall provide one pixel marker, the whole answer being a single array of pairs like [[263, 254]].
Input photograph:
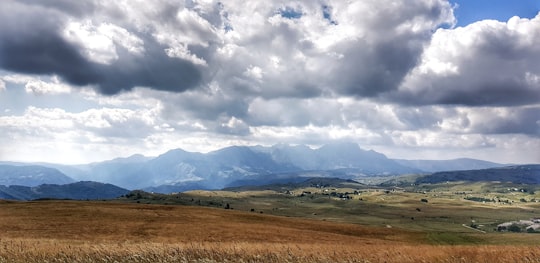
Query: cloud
[[39, 87], [234, 126], [2, 85], [366, 49], [293, 112], [487, 63], [98, 43], [38, 39], [272, 55], [493, 120], [78, 9], [30, 45], [373, 62], [147, 76], [93, 124], [254, 48], [18, 78]]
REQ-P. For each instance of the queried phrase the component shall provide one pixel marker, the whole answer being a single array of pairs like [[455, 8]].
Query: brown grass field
[[81, 231]]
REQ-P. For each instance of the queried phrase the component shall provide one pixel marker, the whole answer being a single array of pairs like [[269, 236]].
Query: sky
[[86, 81]]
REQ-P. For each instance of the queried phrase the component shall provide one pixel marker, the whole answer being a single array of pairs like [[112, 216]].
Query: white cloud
[[106, 123], [109, 131], [234, 126], [99, 43], [18, 78], [39, 87], [485, 63], [2, 85], [181, 51], [137, 98], [254, 72]]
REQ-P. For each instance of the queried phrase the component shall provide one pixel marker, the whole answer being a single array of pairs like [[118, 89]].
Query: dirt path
[[472, 228]]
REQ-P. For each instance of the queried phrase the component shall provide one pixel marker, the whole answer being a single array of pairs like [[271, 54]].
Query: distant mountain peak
[[341, 145], [234, 148], [175, 151], [131, 159]]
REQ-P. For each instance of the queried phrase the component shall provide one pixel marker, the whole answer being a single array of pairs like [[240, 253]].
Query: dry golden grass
[[50, 250], [63, 231]]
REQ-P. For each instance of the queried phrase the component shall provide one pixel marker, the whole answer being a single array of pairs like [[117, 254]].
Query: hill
[[31, 175], [77, 191], [317, 182], [519, 174], [433, 166]]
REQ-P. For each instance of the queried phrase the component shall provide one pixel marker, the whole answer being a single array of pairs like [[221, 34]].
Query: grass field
[[446, 208], [289, 229]]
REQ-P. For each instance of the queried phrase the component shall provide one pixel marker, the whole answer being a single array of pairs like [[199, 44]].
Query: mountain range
[[179, 170]]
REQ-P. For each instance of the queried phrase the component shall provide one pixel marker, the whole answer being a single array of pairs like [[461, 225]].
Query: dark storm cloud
[[45, 54], [421, 117], [75, 8], [30, 42], [154, 70], [367, 71], [496, 93], [377, 62], [494, 85], [456, 91]]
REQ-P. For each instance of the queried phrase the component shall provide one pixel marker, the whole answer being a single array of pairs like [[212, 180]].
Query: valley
[[438, 209]]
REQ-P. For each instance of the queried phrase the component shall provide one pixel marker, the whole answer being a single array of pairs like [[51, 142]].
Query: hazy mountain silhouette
[[449, 165], [179, 170], [31, 175], [78, 191]]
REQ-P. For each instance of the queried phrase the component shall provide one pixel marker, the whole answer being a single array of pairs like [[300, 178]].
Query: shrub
[[514, 228]]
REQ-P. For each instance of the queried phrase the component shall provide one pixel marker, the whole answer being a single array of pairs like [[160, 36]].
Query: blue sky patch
[[291, 13], [470, 11], [327, 14]]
